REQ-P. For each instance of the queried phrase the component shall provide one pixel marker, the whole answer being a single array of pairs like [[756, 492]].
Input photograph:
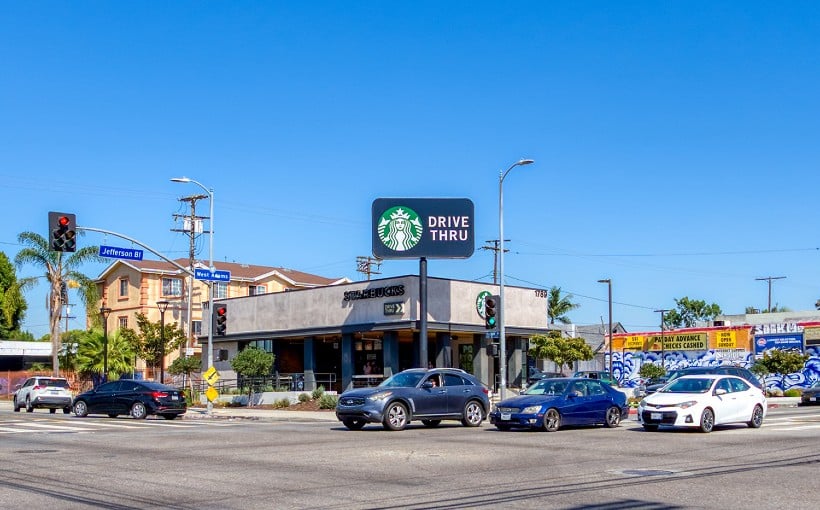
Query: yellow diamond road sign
[[211, 393], [211, 376]]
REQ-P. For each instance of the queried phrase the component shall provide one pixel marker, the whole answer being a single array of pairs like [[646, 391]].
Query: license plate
[[505, 416], [813, 399], [655, 416], [174, 397]]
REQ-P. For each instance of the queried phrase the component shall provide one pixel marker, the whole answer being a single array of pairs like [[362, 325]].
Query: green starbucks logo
[[479, 303], [400, 228]]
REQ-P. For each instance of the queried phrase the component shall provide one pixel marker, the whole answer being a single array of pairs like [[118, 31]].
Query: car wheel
[[169, 416], [396, 417], [613, 417], [52, 410], [707, 421], [112, 415], [81, 408], [650, 428], [757, 418], [139, 411], [431, 423], [29, 407], [473, 414], [500, 426], [16, 407], [66, 409], [552, 420], [354, 424]]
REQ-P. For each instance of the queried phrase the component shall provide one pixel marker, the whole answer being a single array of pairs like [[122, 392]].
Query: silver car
[[40, 391]]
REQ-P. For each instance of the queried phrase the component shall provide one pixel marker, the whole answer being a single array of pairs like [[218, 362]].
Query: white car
[[51, 393], [703, 401]]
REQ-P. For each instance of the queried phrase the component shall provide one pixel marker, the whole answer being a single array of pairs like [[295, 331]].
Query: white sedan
[[703, 401]]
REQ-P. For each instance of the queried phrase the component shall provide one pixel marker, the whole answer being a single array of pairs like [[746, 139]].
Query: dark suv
[[417, 394], [745, 373]]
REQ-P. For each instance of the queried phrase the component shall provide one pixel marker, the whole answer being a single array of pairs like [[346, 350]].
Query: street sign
[[492, 334], [120, 253], [394, 308], [211, 393], [211, 376], [216, 276]]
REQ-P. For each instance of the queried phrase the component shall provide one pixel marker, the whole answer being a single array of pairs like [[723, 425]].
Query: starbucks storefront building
[[359, 333]]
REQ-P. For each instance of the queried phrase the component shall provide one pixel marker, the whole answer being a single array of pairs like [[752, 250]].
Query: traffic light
[[62, 231], [491, 306], [221, 319]]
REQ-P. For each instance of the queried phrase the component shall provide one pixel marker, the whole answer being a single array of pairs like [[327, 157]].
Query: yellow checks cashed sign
[[678, 342]]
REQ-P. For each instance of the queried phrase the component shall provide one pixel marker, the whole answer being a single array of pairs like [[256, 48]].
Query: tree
[[689, 312], [781, 362], [651, 371], [60, 269], [252, 362], [186, 365], [558, 307], [12, 303], [148, 342], [562, 351], [90, 356]]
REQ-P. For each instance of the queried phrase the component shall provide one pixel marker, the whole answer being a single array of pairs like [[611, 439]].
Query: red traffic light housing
[[491, 312], [62, 231], [221, 319]]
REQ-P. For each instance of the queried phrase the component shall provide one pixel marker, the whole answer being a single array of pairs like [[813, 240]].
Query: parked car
[[811, 395], [703, 401], [39, 391], [136, 398], [428, 395], [535, 374], [653, 384], [600, 375], [742, 372], [550, 404]]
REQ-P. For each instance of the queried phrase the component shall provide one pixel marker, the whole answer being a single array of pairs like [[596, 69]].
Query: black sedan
[[811, 395], [135, 398], [550, 404]]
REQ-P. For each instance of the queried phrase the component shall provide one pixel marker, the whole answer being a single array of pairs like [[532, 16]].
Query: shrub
[[793, 392], [318, 392], [304, 397], [282, 402], [775, 392], [327, 401], [633, 401]]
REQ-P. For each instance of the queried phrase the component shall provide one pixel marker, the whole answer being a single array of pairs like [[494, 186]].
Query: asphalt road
[[63, 462]]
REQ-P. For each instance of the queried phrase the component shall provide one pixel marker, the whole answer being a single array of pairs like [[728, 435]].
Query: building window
[[123, 287], [220, 290], [196, 326], [255, 290], [122, 322], [171, 287], [263, 345]]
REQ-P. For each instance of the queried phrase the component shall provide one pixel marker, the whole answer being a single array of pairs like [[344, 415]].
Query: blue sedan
[[550, 404]]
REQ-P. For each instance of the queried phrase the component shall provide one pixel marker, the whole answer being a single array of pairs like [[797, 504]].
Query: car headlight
[[531, 410], [642, 403], [687, 404], [378, 397]]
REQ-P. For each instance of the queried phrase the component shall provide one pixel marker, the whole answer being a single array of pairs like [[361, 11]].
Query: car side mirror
[[18, 386], [427, 384], [720, 391]]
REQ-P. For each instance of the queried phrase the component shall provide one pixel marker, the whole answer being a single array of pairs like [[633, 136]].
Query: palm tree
[[558, 307], [59, 271], [90, 357]]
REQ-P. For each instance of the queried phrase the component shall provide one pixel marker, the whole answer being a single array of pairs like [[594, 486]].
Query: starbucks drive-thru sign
[[411, 228]]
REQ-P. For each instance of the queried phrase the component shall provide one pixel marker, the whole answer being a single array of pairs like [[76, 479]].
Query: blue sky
[[675, 143]]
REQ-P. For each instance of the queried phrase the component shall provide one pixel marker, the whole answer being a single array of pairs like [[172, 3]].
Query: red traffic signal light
[[62, 231], [221, 320]]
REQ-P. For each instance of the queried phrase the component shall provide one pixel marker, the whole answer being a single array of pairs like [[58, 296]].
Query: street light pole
[[502, 341], [105, 312], [162, 305], [210, 192], [663, 327], [608, 282]]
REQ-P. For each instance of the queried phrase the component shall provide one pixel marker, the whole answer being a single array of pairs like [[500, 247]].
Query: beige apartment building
[[129, 287]]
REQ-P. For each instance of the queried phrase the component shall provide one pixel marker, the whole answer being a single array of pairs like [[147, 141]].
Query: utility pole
[[495, 249], [365, 265], [769, 279], [192, 225]]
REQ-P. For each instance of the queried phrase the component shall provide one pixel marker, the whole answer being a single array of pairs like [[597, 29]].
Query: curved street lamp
[[502, 341]]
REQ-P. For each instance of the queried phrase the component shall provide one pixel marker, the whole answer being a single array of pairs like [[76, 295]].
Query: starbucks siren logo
[[400, 228]]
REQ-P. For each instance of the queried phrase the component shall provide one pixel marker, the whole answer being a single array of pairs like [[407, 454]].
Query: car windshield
[[672, 375], [547, 387], [402, 380], [57, 383], [694, 385]]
